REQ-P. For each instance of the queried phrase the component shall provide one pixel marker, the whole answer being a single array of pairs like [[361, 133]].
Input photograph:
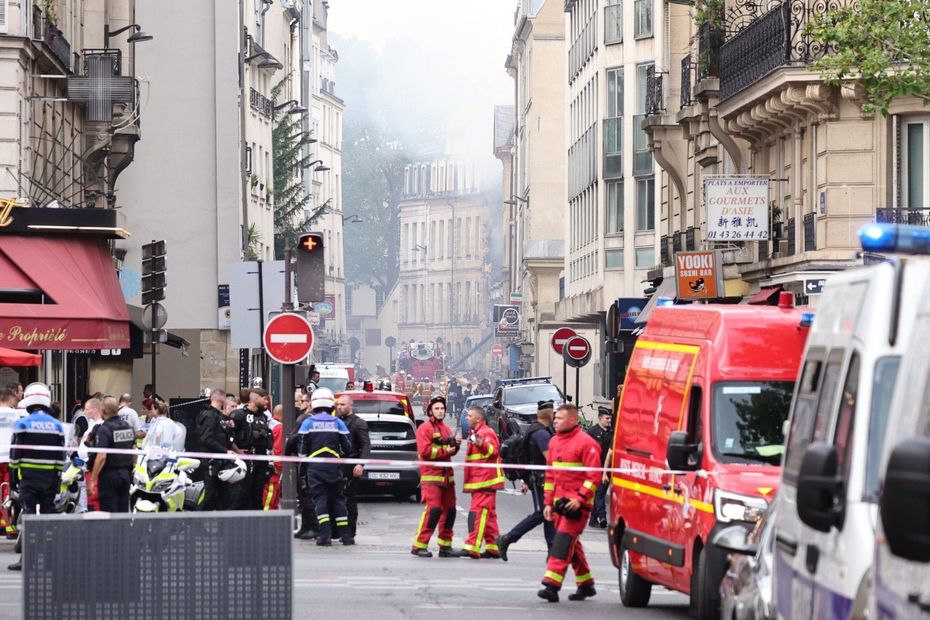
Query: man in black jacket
[[252, 435], [214, 432], [603, 433], [361, 449]]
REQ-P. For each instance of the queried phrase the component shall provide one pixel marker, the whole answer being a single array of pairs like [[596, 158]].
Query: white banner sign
[[737, 209]]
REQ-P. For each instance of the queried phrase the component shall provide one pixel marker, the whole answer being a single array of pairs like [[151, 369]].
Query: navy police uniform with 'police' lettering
[[322, 435]]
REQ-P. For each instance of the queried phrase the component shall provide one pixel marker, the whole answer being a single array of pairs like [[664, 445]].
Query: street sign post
[[576, 353], [288, 338], [558, 340]]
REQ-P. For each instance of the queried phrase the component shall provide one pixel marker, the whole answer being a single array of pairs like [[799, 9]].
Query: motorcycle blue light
[[895, 238], [807, 319], [665, 302]]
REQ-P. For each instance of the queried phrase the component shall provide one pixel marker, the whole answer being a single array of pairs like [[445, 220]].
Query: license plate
[[383, 475]]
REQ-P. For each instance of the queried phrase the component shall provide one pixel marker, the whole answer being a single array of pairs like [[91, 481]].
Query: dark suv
[[517, 400]]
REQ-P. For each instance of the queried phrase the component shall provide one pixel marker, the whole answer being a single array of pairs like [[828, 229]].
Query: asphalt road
[[379, 578]]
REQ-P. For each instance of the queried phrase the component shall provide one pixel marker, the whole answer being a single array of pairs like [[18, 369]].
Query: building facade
[[535, 210], [326, 184], [442, 287], [207, 179], [610, 222], [736, 110]]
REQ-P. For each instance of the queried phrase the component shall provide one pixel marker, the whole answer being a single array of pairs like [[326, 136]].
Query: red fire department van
[[706, 394]]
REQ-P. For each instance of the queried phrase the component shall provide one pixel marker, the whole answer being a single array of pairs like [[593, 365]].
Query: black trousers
[[216, 493], [308, 519], [534, 519], [351, 502], [37, 494], [113, 490], [328, 492]]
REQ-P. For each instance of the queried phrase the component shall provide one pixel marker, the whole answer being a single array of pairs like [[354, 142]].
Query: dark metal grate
[[791, 236], [689, 240], [810, 232], [686, 81], [183, 565], [664, 257], [917, 217], [710, 40]]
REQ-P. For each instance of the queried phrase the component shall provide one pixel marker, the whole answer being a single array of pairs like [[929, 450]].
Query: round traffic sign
[[154, 316], [288, 338], [497, 350], [577, 351], [560, 337]]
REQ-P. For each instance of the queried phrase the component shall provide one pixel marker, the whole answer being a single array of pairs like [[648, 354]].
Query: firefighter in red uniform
[[271, 494], [436, 442], [483, 483], [569, 498]]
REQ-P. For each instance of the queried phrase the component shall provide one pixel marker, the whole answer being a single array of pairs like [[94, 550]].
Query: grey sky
[[470, 40]]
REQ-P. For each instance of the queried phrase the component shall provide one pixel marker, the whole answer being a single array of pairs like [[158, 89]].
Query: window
[[645, 257], [843, 434], [613, 22], [613, 259], [613, 125], [614, 207], [883, 382], [645, 204], [642, 19], [915, 169], [747, 420], [814, 408]]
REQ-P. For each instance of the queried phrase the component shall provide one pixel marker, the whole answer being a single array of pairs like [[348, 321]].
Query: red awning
[[762, 297], [12, 357], [85, 307]]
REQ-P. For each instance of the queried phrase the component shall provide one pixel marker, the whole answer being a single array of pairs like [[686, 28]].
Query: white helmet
[[36, 394], [233, 471], [322, 398]]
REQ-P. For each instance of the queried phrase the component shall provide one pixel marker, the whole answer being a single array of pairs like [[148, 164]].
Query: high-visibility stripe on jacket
[[483, 447], [567, 452], [427, 450], [37, 429]]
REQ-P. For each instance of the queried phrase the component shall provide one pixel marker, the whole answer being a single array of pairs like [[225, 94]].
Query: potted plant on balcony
[[711, 22]]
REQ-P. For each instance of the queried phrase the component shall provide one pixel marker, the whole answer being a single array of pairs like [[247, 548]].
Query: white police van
[[825, 524], [902, 548]]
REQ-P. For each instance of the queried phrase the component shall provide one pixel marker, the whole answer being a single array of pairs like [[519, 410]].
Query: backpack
[[514, 451]]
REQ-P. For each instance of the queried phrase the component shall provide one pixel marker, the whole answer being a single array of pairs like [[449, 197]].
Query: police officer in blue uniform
[[113, 472], [36, 474], [323, 435]]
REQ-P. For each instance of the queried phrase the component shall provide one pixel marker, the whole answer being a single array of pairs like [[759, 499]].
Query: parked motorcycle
[[69, 490], [161, 483]]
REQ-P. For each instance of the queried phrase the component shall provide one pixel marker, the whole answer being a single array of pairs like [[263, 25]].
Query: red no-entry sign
[[577, 351], [497, 350], [560, 337], [288, 338]]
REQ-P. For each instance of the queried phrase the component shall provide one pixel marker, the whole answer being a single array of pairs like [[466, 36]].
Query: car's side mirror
[[735, 539], [820, 489], [905, 500], [679, 452]]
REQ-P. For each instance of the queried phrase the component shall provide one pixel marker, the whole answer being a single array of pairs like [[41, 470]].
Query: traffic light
[[310, 268], [154, 266]]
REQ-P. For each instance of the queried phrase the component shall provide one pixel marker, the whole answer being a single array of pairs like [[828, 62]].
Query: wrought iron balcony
[[916, 217], [686, 81], [655, 101], [763, 250], [261, 104], [792, 242], [690, 244], [774, 39], [676, 243], [810, 232], [664, 254], [710, 39], [46, 31]]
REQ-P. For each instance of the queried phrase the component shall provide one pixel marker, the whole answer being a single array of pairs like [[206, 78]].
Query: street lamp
[[270, 63], [320, 168], [352, 219], [295, 109], [137, 37], [514, 200]]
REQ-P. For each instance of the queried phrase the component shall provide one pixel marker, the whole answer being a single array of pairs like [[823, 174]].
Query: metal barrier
[[223, 565]]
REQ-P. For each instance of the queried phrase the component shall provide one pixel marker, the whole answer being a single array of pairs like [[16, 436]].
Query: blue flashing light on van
[[895, 238], [807, 319]]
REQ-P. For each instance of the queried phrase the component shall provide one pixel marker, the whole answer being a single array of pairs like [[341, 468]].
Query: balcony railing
[[676, 243], [655, 100], [774, 39], [764, 249], [810, 232], [791, 237], [47, 32], [917, 217], [664, 254], [686, 81], [690, 240], [260, 103], [710, 39]]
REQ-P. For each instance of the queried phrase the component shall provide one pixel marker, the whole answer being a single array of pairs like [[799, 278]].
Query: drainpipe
[[243, 156], [796, 174]]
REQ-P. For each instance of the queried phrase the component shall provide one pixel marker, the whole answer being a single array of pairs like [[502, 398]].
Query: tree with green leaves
[[883, 45], [288, 140], [373, 181]]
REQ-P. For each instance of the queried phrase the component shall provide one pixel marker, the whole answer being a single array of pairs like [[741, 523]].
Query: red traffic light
[[309, 243]]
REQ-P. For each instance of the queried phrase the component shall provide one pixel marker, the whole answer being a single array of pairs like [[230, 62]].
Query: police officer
[[35, 474], [214, 430], [112, 472], [603, 434], [361, 449], [322, 435], [309, 528], [252, 435]]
